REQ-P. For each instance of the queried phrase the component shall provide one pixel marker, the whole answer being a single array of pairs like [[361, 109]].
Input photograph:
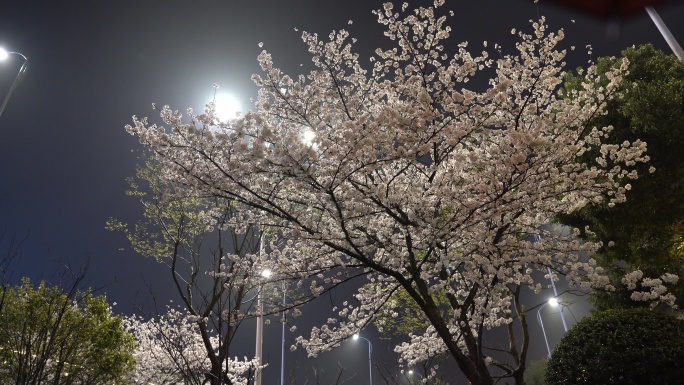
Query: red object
[[610, 8]]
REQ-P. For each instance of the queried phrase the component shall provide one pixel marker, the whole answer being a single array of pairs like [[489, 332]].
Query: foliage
[[211, 257], [621, 346], [10, 246], [51, 336], [403, 316], [536, 373], [647, 232], [400, 174]]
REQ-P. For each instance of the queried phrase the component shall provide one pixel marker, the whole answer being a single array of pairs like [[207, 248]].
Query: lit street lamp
[[555, 292], [20, 75], [370, 352], [553, 302], [412, 372]]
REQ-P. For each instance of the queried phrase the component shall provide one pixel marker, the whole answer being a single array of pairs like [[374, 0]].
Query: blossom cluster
[[171, 351]]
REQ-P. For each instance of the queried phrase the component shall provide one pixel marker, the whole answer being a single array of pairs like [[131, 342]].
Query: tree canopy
[[647, 232], [398, 173], [51, 336], [620, 346]]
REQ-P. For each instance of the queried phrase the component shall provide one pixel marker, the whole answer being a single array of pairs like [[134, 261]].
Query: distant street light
[[412, 372], [20, 75], [553, 302], [260, 321], [370, 352]]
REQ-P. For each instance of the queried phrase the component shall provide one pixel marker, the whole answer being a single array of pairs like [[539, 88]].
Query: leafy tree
[[402, 175], [9, 252], [393, 323], [647, 232], [536, 373], [620, 346], [48, 335], [212, 258]]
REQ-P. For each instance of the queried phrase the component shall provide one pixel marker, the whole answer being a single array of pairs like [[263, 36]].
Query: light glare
[[227, 107], [308, 136]]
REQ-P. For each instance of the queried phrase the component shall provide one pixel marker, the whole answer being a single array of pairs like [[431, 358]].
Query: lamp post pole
[[370, 352], [260, 320], [667, 35], [20, 75], [541, 323], [555, 295]]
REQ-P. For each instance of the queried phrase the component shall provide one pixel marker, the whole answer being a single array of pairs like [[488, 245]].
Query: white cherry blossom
[[414, 180]]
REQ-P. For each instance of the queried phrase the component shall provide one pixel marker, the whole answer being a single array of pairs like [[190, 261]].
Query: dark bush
[[627, 346]]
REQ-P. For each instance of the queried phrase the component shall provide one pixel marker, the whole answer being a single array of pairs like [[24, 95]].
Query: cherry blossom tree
[[171, 350], [213, 261], [396, 171]]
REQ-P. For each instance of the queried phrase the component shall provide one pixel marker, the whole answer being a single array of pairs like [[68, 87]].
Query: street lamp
[[370, 352], [282, 340], [553, 302], [537, 237], [411, 372], [20, 75]]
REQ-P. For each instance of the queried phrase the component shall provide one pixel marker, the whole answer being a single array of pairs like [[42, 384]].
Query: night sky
[[64, 154]]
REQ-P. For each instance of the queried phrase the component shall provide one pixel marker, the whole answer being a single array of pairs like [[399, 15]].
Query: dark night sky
[[93, 64]]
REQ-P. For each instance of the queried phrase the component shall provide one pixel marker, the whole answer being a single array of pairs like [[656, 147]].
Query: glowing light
[[355, 337], [3, 54], [308, 136], [227, 107], [266, 273], [553, 302]]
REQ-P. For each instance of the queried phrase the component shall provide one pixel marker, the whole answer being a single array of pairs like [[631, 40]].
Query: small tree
[[625, 347], [212, 257], [48, 335], [171, 350]]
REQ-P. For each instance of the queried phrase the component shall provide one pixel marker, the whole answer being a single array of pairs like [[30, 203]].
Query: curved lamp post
[[553, 302], [370, 352], [20, 75]]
